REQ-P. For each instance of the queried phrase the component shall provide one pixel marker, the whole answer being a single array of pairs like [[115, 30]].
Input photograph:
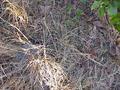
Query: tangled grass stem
[[9, 26]]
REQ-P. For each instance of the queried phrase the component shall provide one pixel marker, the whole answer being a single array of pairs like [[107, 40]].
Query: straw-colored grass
[[52, 54]]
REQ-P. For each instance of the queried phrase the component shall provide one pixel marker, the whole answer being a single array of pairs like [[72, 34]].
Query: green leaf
[[106, 2], [83, 1], [115, 21], [69, 8], [116, 3], [112, 10], [79, 13], [101, 11], [95, 5], [117, 27]]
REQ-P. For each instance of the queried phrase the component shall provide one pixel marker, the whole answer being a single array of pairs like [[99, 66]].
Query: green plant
[[83, 1], [73, 20], [110, 8]]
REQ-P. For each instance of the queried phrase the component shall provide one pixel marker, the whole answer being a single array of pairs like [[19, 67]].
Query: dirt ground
[[63, 46]]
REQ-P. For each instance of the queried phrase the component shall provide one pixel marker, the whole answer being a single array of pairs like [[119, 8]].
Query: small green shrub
[[109, 7]]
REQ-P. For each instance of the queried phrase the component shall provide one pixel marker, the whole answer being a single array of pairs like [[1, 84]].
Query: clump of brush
[[24, 66]]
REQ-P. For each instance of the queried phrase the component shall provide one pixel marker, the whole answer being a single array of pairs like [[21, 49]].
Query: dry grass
[[49, 55], [16, 13]]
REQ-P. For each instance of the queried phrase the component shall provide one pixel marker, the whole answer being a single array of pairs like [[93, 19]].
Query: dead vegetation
[[49, 53]]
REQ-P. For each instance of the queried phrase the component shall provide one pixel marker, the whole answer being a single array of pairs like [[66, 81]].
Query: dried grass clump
[[35, 75], [16, 13], [25, 66]]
